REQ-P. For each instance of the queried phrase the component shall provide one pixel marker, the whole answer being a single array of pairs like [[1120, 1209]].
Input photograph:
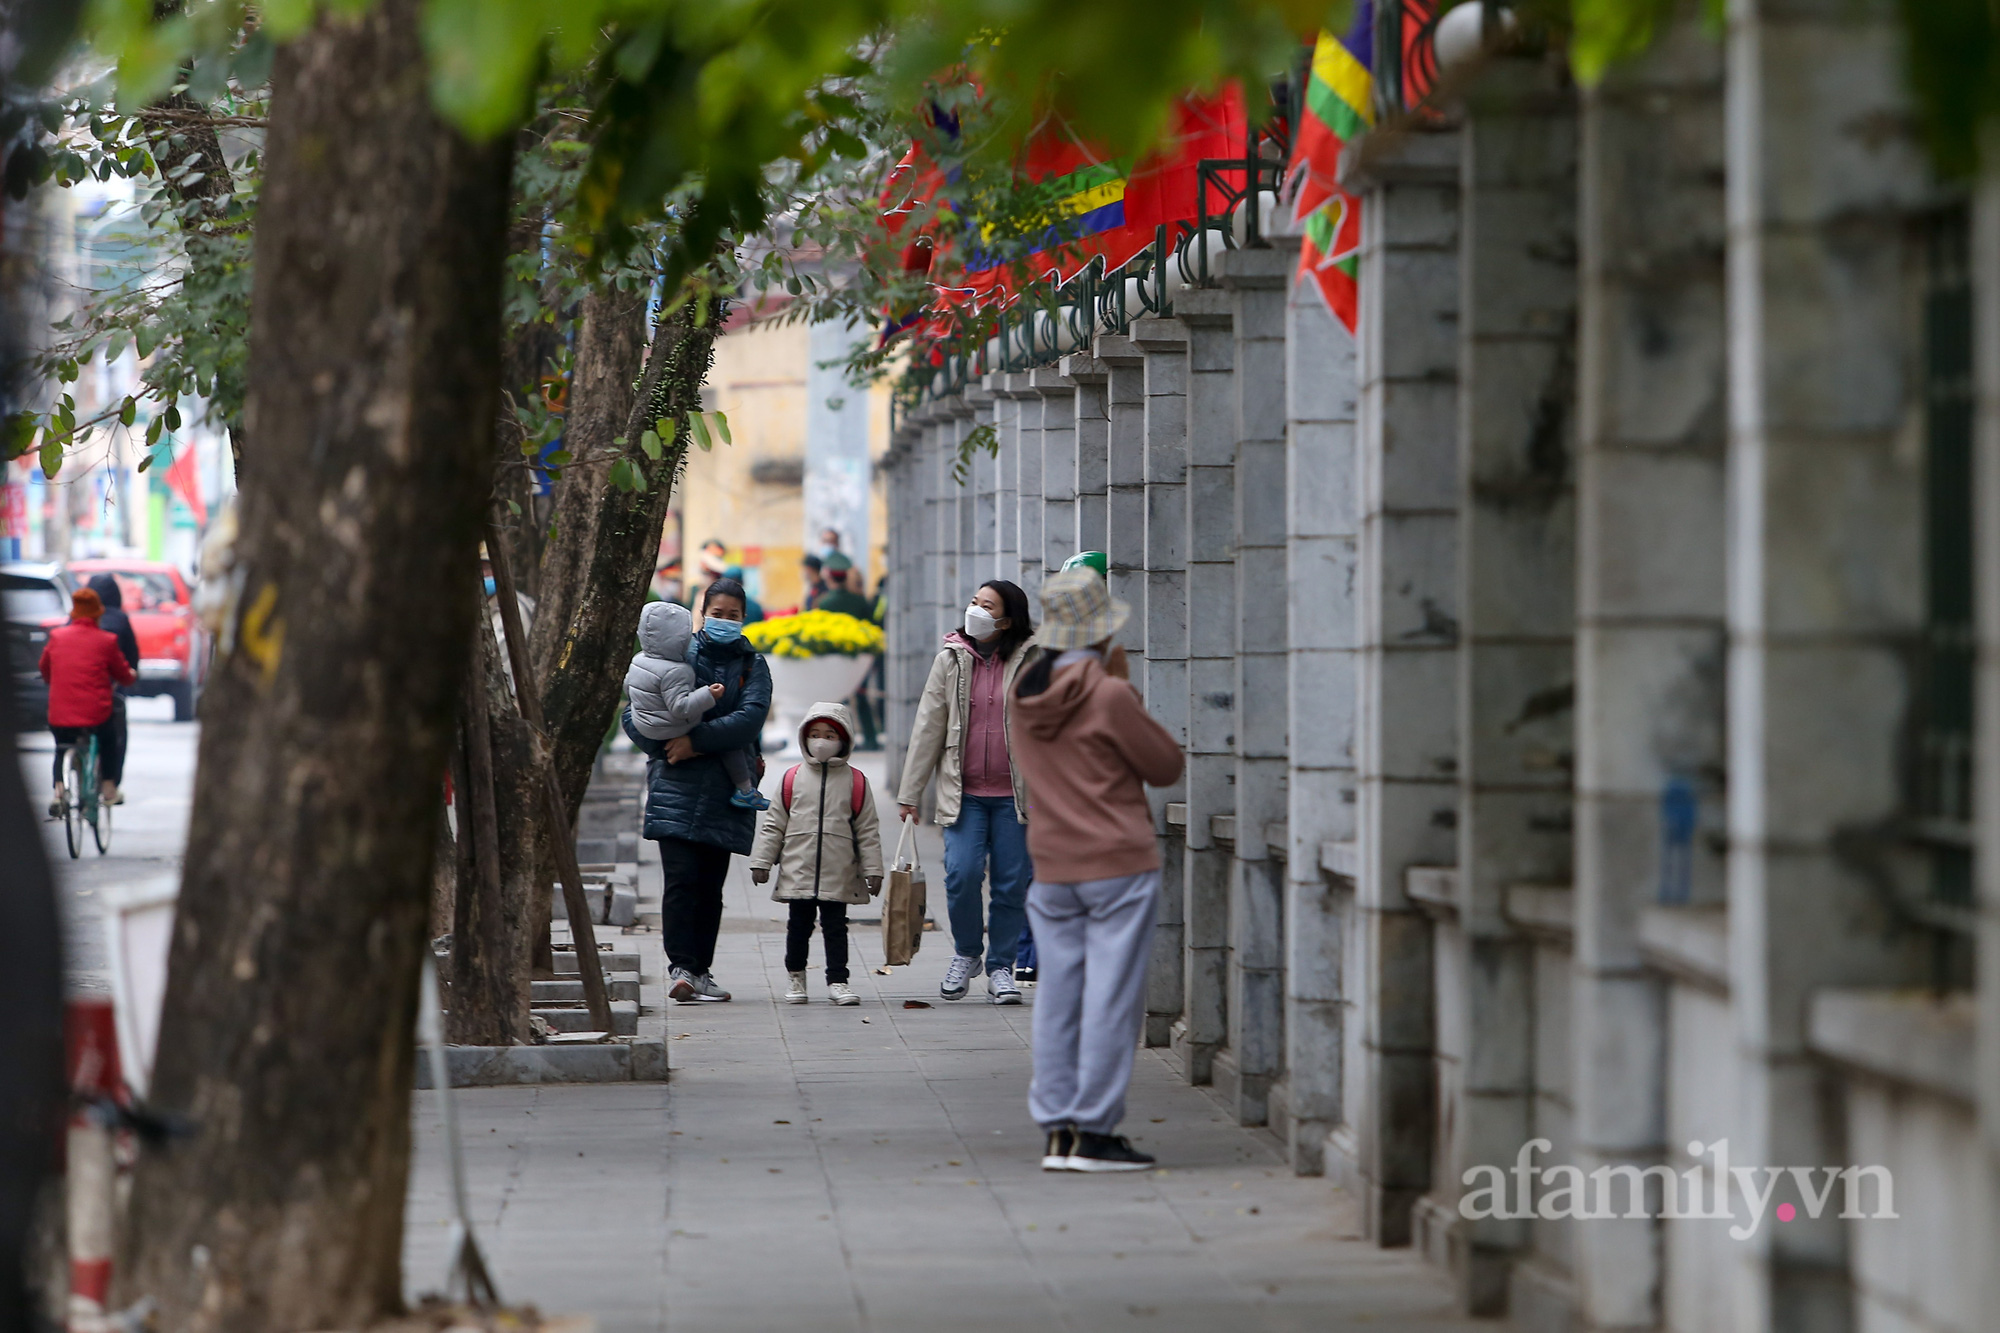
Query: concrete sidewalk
[[875, 1168]]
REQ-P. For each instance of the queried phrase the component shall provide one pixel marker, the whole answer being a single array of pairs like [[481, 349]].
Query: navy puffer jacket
[[691, 800]]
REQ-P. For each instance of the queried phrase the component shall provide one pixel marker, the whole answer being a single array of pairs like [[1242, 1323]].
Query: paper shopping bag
[[903, 904]]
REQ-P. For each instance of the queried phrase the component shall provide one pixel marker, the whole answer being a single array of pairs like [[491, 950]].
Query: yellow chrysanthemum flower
[[815, 634]]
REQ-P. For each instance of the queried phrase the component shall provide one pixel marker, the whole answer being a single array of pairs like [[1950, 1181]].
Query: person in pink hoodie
[[1088, 749]]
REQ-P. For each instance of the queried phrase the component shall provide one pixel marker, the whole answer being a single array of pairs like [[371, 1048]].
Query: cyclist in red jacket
[[80, 663]]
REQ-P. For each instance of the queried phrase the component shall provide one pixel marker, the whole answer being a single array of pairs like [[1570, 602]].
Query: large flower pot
[[797, 683]]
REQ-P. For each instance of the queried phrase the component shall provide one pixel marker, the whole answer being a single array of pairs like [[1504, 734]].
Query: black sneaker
[[1106, 1152], [1057, 1155]]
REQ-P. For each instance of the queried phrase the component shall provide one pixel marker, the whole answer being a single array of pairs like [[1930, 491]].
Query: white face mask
[[823, 747], [979, 624]]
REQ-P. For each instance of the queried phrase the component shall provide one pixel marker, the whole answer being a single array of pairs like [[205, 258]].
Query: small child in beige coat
[[824, 839]]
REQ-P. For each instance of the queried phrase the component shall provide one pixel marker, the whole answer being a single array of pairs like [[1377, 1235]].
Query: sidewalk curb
[[641, 1061]]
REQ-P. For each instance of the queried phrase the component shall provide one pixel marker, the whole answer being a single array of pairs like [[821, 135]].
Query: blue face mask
[[719, 632], [489, 585]]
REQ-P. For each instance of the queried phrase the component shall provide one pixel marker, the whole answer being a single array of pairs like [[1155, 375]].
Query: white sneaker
[[838, 992], [1000, 987], [797, 994], [957, 976]]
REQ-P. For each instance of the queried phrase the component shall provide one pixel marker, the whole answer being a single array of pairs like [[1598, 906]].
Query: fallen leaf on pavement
[[916, 1004]]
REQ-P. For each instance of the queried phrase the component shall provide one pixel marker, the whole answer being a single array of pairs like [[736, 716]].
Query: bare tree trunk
[[489, 955], [525, 361], [610, 348], [580, 686], [444, 877], [292, 983]]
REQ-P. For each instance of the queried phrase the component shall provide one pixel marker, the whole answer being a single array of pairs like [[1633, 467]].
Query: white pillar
[[1206, 314], [1322, 537], [1163, 471]]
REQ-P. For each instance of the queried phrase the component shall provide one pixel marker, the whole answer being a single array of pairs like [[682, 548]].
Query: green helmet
[[1090, 560]]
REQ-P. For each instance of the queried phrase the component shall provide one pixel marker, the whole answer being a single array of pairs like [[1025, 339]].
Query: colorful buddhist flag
[[1339, 105]]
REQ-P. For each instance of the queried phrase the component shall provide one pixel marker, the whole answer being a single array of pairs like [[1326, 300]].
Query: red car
[[173, 646]]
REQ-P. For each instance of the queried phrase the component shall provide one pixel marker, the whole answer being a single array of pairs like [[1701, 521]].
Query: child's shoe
[[750, 800], [837, 992], [797, 993]]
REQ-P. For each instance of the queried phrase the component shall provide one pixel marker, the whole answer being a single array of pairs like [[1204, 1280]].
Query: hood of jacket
[[665, 628], [1048, 714], [957, 639], [106, 588], [836, 714]]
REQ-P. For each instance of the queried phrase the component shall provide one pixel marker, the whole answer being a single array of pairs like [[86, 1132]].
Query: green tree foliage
[[709, 93]]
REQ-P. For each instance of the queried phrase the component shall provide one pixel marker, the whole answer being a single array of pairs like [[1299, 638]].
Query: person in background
[[1089, 749], [960, 735], [753, 610], [81, 663], [840, 595], [688, 807], [824, 839], [829, 542], [119, 625], [812, 581]]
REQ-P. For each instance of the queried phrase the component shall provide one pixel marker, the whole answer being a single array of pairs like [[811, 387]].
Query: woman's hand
[[759, 875], [680, 749], [874, 883], [908, 811]]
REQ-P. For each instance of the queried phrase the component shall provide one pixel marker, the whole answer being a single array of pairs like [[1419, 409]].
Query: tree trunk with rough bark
[[292, 983], [490, 994], [593, 641], [610, 352]]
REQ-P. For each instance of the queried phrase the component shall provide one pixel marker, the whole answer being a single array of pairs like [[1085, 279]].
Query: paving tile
[[904, 1194]]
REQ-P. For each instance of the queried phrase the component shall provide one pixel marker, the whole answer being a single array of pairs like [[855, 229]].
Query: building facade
[[1589, 670]]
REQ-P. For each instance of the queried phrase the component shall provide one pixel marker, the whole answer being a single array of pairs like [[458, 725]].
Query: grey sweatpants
[[1092, 941]]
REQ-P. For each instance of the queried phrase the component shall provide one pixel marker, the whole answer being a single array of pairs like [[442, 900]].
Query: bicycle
[[80, 803]]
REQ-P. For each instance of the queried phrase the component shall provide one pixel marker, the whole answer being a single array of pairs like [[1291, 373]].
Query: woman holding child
[[695, 809]]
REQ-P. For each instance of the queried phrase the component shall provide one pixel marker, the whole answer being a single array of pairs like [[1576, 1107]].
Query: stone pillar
[[1322, 537], [1028, 486], [1986, 780], [1826, 578], [1058, 467], [943, 453], [1257, 281], [1407, 757], [1125, 484], [1163, 587], [982, 492], [1652, 400], [899, 478], [1516, 662], [1007, 489], [967, 571], [1093, 447], [1206, 314]]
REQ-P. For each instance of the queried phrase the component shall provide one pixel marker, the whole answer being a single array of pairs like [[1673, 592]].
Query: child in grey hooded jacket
[[666, 701]]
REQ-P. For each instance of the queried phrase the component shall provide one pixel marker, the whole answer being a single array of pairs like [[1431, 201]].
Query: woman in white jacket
[[960, 737]]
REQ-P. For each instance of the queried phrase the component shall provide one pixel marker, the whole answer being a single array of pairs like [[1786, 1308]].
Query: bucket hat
[[1078, 610]]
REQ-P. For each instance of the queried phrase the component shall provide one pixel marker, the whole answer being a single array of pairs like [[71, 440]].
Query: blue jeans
[[987, 829]]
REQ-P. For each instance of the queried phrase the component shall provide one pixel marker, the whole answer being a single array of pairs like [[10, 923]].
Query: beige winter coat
[[937, 736], [821, 848]]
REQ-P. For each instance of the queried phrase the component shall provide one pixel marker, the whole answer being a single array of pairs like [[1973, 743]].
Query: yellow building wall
[[759, 383]]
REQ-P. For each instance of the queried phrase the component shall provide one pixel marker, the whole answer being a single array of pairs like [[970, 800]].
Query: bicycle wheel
[[73, 801]]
